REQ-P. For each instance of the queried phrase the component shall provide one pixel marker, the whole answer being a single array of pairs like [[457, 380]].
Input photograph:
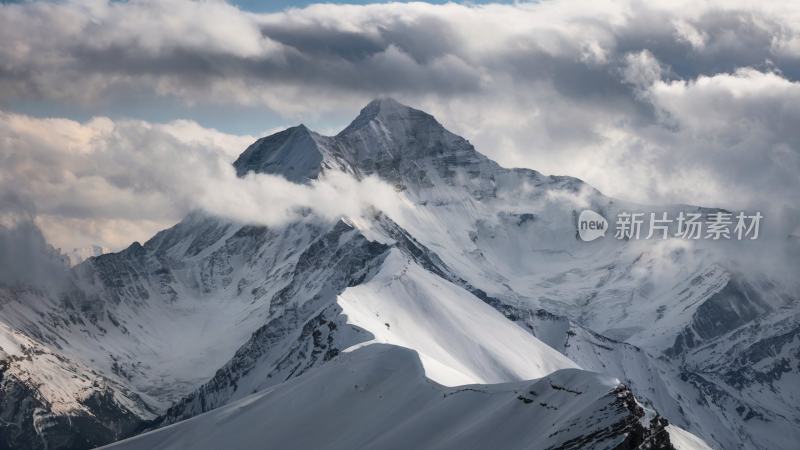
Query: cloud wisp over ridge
[[111, 182]]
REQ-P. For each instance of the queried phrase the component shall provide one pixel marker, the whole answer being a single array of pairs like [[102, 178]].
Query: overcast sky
[[685, 102]]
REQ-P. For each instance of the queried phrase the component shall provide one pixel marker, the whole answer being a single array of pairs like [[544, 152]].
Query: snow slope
[[378, 397], [459, 338]]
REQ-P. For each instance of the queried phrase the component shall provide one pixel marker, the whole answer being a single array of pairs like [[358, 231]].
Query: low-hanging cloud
[[110, 182], [27, 258]]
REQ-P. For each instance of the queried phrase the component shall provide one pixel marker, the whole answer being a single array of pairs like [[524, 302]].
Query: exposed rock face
[[276, 352], [30, 422]]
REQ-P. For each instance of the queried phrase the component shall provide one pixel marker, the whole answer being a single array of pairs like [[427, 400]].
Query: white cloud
[[734, 130], [685, 101], [111, 182], [685, 31], [641, 69]]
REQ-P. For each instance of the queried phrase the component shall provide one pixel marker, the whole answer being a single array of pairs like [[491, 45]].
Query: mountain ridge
[[208, 311]]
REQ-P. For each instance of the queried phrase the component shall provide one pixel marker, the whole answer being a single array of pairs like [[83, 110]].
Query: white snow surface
[[377, 397], [459, 338], [683, 440]]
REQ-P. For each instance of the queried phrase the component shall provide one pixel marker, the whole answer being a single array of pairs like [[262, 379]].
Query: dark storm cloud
[[396, 57], [325, 41], [412, 49], [84, 50]]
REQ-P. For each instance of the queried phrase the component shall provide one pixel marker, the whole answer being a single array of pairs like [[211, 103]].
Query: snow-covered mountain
[[378, 397], [476, 270]]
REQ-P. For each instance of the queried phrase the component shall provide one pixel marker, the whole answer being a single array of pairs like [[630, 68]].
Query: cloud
[[27, 258], [111, 182], [740, 128], [676, 102]]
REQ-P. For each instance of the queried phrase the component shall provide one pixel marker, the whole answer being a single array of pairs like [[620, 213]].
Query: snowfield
[[465, 315], [377, 397]]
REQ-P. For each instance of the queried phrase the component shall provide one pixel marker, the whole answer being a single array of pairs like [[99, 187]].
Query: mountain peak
[[388, 111], [387, 138], [293, 153], [386, 105]]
